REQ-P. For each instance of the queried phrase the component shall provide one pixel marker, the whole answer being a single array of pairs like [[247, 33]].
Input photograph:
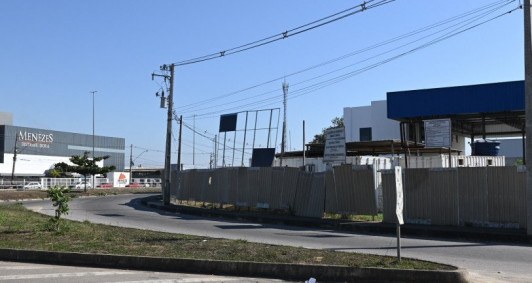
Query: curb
[[298, 272]]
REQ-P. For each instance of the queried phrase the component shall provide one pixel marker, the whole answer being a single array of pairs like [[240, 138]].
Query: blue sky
[[53, 53]]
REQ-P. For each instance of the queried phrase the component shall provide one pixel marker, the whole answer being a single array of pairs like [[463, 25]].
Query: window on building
[[365, 134]]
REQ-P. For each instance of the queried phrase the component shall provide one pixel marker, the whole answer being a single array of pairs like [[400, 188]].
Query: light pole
[[132, 162], [93, 92]]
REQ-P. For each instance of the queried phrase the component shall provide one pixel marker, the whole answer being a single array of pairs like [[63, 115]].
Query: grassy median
[[24, 229], [15, 195]]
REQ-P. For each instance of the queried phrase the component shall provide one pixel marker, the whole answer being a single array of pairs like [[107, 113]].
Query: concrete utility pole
[[179, 143], [528, 112], [283, 142], [93, 180], [168, 149], [130, 163], [14, 159]]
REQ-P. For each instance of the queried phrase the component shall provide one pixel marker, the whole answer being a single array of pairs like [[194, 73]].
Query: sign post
[[334, 145], [399, 207]]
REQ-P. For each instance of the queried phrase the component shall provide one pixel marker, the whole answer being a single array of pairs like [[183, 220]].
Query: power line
[[337, 79], [191, 106], [366, 5]]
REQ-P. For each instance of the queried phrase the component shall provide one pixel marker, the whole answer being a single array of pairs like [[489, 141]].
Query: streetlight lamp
[[132, 162], [93, 177]]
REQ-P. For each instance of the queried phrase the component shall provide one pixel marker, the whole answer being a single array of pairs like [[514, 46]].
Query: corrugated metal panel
[[343, 182], [253, 186], [354, 189], [506, 195], [174, 186], [520, 181], [388, 191], [365, 191], [485, 98], [310, 199], [316, 202], [331, 195], [473, 194], [417, 195], [264, 188], [291, 176], [444, 197], [277, 188], [304, 184], [244, 190], [232, 184]]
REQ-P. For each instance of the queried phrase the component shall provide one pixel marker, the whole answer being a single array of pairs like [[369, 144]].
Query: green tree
[[337, 122], [85, 166], [60, 198]]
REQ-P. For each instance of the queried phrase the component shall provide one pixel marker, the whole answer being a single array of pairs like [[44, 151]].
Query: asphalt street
[[486, 262]]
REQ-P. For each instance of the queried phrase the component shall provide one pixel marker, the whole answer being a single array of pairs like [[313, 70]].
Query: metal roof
[[458, 100]]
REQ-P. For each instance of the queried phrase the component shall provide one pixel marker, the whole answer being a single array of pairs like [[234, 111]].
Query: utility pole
[[304, 144], [215, 151], [130, 163], [528, 111], [283, 143], [193, 140], [14, 160], [179, 143], [93, 157], [168, 149]]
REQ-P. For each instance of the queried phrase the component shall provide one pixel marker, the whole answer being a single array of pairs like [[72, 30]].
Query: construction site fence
[[479, 197], [346, 189]]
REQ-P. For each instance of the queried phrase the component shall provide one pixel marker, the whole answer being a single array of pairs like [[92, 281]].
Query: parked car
[[80, 185], [105, 185], [33, 186]]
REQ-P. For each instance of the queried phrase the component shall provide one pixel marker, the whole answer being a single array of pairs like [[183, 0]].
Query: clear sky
[[53, 53]]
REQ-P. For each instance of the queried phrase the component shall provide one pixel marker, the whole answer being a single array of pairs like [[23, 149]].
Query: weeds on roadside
[[60, 198]]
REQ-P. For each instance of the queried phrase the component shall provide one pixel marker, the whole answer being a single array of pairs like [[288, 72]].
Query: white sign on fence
[[399, 194], [438, 133], [334, 145]]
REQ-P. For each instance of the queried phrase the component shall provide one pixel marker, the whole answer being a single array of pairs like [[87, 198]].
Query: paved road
[[487, 262], [43, 273]]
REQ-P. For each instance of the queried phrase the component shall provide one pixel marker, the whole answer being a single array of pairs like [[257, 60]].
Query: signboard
[[262, 157], [438, 133], [399, 195], [118, 179], [334, 145], [228, 123]]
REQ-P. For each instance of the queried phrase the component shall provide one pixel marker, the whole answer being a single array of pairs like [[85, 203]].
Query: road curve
[[486, 262]]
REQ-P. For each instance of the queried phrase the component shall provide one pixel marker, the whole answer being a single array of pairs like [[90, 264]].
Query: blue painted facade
[[459, 100]]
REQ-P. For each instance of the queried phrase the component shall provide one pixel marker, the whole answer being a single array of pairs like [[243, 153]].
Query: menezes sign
[[39, 140]]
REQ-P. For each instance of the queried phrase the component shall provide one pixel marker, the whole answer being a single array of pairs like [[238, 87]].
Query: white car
[[32, 186], [80, 185]]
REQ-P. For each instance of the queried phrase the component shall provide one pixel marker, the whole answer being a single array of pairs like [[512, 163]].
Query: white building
[[370, 123]]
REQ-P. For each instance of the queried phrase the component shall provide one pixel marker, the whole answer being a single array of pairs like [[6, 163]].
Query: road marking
[[23, 267], [61, 275], [184, 280]]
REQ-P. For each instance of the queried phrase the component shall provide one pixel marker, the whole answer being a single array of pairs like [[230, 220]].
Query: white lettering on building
[[35, 139]]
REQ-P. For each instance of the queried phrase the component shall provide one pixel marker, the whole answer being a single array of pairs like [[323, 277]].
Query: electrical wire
[[366, 5], [184, 108], [342, 77]]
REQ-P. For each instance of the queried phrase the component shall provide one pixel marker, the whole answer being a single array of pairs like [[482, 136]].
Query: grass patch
[[24, 229], [355, 217], [41, 194]]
